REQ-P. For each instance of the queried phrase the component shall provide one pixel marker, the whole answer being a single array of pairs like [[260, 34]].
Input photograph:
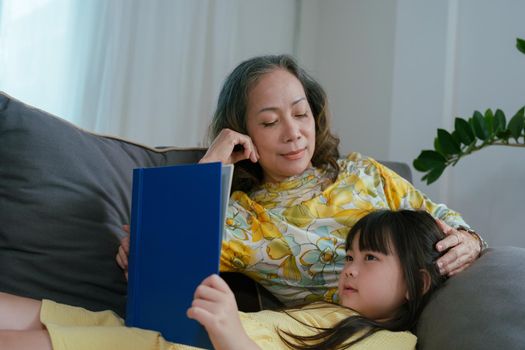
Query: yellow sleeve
[[401, 194]]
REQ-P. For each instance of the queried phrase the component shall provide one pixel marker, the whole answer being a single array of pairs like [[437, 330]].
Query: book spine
[[134, 255]]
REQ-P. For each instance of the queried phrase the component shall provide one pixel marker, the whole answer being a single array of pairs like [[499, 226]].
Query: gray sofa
[[65, 192]]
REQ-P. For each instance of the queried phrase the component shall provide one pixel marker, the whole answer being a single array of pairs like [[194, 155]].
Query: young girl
[[389, 274]]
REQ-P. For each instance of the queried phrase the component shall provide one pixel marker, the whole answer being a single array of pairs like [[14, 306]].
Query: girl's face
[[371, 283], [281, 125]]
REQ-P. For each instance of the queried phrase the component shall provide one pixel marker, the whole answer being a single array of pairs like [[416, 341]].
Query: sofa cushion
[[480, 308], [64, 194]]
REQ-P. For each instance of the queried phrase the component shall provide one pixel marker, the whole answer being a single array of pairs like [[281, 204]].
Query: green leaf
[[464, 131], [478, 123], [489, 121], [447, 143], [428, 160], [437, 147], [520, 45], [503, 135], [456, 137], [500, 122], [516, 124], [433, 175]]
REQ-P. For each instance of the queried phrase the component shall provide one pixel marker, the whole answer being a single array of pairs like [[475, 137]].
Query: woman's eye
[[302, 115], [267, 124]]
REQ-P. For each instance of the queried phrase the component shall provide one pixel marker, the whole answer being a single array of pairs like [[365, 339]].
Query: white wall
[[488, 187], [419, 102], [395, 71], [354, 56]]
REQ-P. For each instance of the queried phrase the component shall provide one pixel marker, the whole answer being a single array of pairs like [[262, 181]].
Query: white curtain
[[33, 67], [149, 71], [154, 68]]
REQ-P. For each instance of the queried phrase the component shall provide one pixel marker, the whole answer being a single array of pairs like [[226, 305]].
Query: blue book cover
[[177, 218]]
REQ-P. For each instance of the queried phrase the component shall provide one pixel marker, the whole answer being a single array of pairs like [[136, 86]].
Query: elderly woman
[[295, 198]]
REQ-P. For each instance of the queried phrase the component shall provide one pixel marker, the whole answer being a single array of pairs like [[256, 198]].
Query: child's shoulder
[[320, 314]]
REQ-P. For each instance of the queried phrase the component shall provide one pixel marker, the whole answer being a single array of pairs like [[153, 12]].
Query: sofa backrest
[[64, 194]]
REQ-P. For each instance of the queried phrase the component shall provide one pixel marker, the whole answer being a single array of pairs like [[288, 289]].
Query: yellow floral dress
[[290, 236]]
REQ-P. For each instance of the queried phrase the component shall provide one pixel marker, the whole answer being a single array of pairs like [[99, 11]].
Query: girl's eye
[[370, 257], [302, 115], [349, 258]]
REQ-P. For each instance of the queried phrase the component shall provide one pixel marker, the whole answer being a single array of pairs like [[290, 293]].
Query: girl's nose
[[350, 271]]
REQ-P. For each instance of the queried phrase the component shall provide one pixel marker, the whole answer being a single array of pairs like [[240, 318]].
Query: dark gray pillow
[[480, 308], [64, 194]]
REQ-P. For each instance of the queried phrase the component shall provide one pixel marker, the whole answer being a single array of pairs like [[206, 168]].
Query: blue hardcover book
[[177, 218]]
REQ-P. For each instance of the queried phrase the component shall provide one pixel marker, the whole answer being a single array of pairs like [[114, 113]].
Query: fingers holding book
[[214, 307], [123, 251]]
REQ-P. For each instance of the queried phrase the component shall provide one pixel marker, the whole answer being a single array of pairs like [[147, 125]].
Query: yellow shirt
[[290, 236], [74, 328]]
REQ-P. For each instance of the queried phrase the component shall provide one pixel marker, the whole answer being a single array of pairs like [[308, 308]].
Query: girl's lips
[[349, 289], [295, 154]]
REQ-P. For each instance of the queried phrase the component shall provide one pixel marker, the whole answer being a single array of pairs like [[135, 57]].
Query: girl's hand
[[464, 249], [123, 252], [215, 308], [222, 148]]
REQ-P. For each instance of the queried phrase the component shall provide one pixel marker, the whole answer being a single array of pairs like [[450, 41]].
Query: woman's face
[[281, 125], [371, 283]]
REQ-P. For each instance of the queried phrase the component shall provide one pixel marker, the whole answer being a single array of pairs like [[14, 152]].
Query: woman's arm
[[215, 308]]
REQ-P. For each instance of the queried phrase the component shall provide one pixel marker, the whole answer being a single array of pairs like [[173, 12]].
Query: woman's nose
[[292, 131]]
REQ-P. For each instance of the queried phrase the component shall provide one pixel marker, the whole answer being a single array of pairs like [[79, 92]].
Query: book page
[[226, 184]]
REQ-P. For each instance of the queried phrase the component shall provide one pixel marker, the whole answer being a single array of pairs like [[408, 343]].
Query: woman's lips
[[295, 154]]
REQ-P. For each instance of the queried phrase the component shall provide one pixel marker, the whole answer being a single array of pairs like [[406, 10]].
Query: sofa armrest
[[482, 307]]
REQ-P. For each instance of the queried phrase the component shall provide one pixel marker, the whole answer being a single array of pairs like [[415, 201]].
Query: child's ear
[[425, 277], [427, 280]]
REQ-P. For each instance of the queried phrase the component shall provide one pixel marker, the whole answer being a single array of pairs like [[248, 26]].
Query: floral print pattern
[[290, 236]]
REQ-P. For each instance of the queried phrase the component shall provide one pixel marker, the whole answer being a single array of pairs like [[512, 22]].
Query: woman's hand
[[223, 148], [123, 252], [215, 308], [464, 249]]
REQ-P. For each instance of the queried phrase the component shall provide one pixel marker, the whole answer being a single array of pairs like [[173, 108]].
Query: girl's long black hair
[[413, 235]]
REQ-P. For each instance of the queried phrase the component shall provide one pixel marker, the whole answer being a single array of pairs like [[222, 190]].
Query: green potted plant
[[479, 131]]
